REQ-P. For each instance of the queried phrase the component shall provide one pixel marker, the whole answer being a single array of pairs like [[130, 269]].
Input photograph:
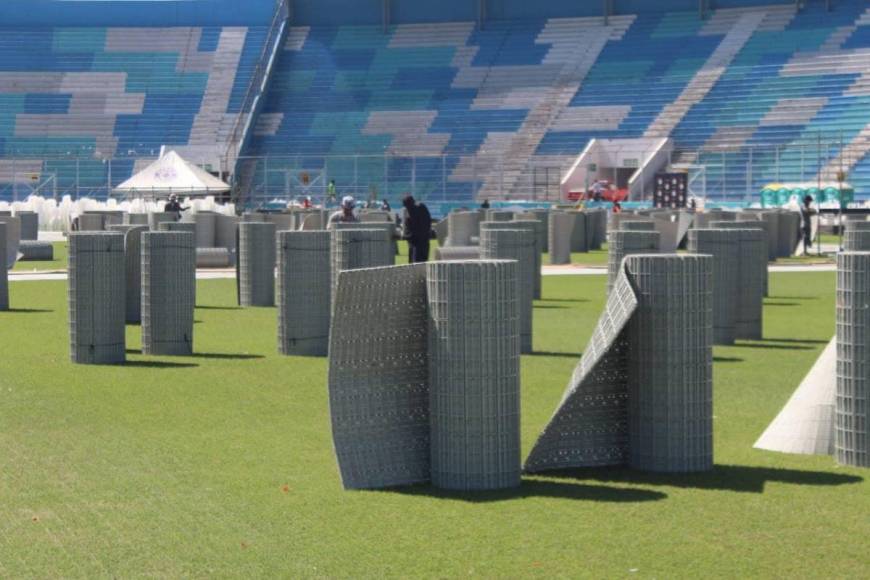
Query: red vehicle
[[601, 190]]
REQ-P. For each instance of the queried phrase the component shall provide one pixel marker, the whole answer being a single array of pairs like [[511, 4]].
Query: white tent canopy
[[172, 174]]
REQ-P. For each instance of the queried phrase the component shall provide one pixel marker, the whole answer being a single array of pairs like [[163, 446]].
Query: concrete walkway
[[60, 275]]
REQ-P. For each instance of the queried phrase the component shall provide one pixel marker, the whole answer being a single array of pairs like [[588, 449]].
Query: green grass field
[[221, 464]]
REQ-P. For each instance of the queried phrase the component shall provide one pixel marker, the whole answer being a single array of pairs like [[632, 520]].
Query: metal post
[[749, 177], [266, 175], [474, 177], [481, 13], [386, 15], [78, 174], [355, 173], [414, 175], [14, 181], [386, 175], [443, 177]]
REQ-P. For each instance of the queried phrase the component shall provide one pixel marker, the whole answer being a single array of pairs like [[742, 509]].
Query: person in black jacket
[[416, 228]]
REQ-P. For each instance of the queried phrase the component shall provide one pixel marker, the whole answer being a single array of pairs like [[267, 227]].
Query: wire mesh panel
[[29, 225], [724, 247], [35, 251], [457, 253], [225, 231], [670, 363], [751, 278], [561, 229], [855, 226], [462, 226], [529, 226], [516, 245], [745, 221], [771, 218], [378, 377], [168, 292], [542, 217], [133, 267], [213, 258], [303, 293], [806, 424], [540, 229], [4, 273], [256, 264], [637, 225], [621, 244], [91, 222], [590, 426], [13, 239], [96, 298], [360, 248], [853, 352], [474, 382], [856, 240], [158, 217], [206, 229], [789, 233], [494, 215], [136, 219], [578, 232], [185, 227]]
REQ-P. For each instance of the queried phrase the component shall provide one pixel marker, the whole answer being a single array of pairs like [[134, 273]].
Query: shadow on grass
[[218, 308], [551, 307], [534, 487], [794, 340], [781, 304], [761, 345], [226, 356], [572, 300], [793, 297], [29, 311], [727, 359], [574, 355], [737, 478], [154, 364]]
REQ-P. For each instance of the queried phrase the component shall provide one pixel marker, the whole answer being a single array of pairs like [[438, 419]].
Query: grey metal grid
[[168, 292], [670, 363], [206, 229], [440, 229], [854, 225], [771, 218], [540, 229], [461, 227], [225, 232], [637, 225], [789, 233], [359, 248], [389, 227], [494, 215], [29, 225], [621, 244], [724, 246], [303, 289], [702, 220], [256, 264], [4, 274], [590, 425], [34, 251], [578, 232], [561, 230], [853, 351], [751, 278], [855, 240], [519, 245], [598, 228], [158, 217], [213, 258], [531, 226], [13, 239], [806, 424], [474, 380], [91, 222], [379, 378], [458, 253], [133, 269], [185, 227], [96, 298], [136, 219], [745, 222]]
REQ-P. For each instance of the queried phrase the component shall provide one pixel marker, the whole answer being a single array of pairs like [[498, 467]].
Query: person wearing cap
[[345, 215], [416, 229]]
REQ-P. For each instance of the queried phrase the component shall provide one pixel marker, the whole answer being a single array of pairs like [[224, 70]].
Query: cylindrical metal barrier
[[206, 225], [621, 244], [561, 229], [519, 245], [168, 292], [852, 445], [256, 264], [359, 248], [97, 296], [670, 364], [474, 387], [133, 269], [304, 265], [724, 246]]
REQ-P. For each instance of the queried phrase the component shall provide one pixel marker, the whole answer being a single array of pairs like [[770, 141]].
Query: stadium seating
[[72, 97]]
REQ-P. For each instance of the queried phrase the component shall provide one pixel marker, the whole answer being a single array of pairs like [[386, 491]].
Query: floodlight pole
[[386, 15], [481, 13]]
